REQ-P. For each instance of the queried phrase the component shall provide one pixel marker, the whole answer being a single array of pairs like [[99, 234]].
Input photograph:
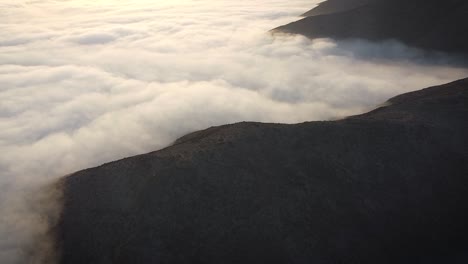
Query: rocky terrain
[[431, 25], [389, 186]]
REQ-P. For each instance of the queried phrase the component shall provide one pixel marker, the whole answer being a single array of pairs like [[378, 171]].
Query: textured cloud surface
[[85, 82]]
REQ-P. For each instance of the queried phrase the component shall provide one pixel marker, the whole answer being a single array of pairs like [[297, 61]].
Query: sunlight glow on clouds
[[85, 82]]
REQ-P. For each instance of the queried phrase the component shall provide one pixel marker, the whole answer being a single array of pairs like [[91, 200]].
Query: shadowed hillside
[[431, 25], [389, 186]]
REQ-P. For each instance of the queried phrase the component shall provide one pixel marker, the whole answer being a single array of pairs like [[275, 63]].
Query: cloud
[[93, 39], [86, 82]]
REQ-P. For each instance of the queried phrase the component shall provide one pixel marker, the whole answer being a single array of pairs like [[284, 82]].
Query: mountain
[[388, 186], [427, 24]]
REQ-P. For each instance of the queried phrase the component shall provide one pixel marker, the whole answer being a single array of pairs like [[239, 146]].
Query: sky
[[87, 82]]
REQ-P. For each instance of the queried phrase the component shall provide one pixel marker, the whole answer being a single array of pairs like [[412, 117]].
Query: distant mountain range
[[427, 24], [389, 186]]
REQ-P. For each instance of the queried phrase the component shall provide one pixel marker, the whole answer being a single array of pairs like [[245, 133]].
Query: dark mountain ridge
[[389, 186], [431, 25]]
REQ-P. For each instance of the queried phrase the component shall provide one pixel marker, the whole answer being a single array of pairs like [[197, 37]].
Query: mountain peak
[[388, 186], [431, 25]]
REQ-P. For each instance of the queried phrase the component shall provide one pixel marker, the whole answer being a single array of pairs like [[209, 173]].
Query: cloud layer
[[85, 82]]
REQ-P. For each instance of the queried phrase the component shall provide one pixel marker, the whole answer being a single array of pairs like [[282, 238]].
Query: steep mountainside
[[389, 186], [428, 24]]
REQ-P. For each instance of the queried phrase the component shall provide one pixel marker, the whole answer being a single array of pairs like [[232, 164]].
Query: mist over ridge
[[86, 82]]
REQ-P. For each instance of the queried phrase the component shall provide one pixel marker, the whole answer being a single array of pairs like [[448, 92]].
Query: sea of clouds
[[86, 82]]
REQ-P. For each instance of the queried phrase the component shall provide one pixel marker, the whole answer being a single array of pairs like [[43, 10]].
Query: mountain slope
[[430, 25], [389, 186]]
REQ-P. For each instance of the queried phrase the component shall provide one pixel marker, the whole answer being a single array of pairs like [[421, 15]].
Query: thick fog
[[86, 82]]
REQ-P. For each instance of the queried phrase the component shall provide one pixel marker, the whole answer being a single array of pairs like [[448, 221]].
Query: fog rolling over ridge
[[85, 82]]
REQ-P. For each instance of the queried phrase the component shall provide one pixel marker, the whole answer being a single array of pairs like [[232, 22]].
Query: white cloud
[[85, 82]]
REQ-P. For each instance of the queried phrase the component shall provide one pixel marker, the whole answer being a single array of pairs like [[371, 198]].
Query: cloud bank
[[86, 82]]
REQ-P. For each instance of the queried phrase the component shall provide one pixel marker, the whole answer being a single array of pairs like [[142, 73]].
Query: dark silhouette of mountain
[[428, 24], [389, 186]]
